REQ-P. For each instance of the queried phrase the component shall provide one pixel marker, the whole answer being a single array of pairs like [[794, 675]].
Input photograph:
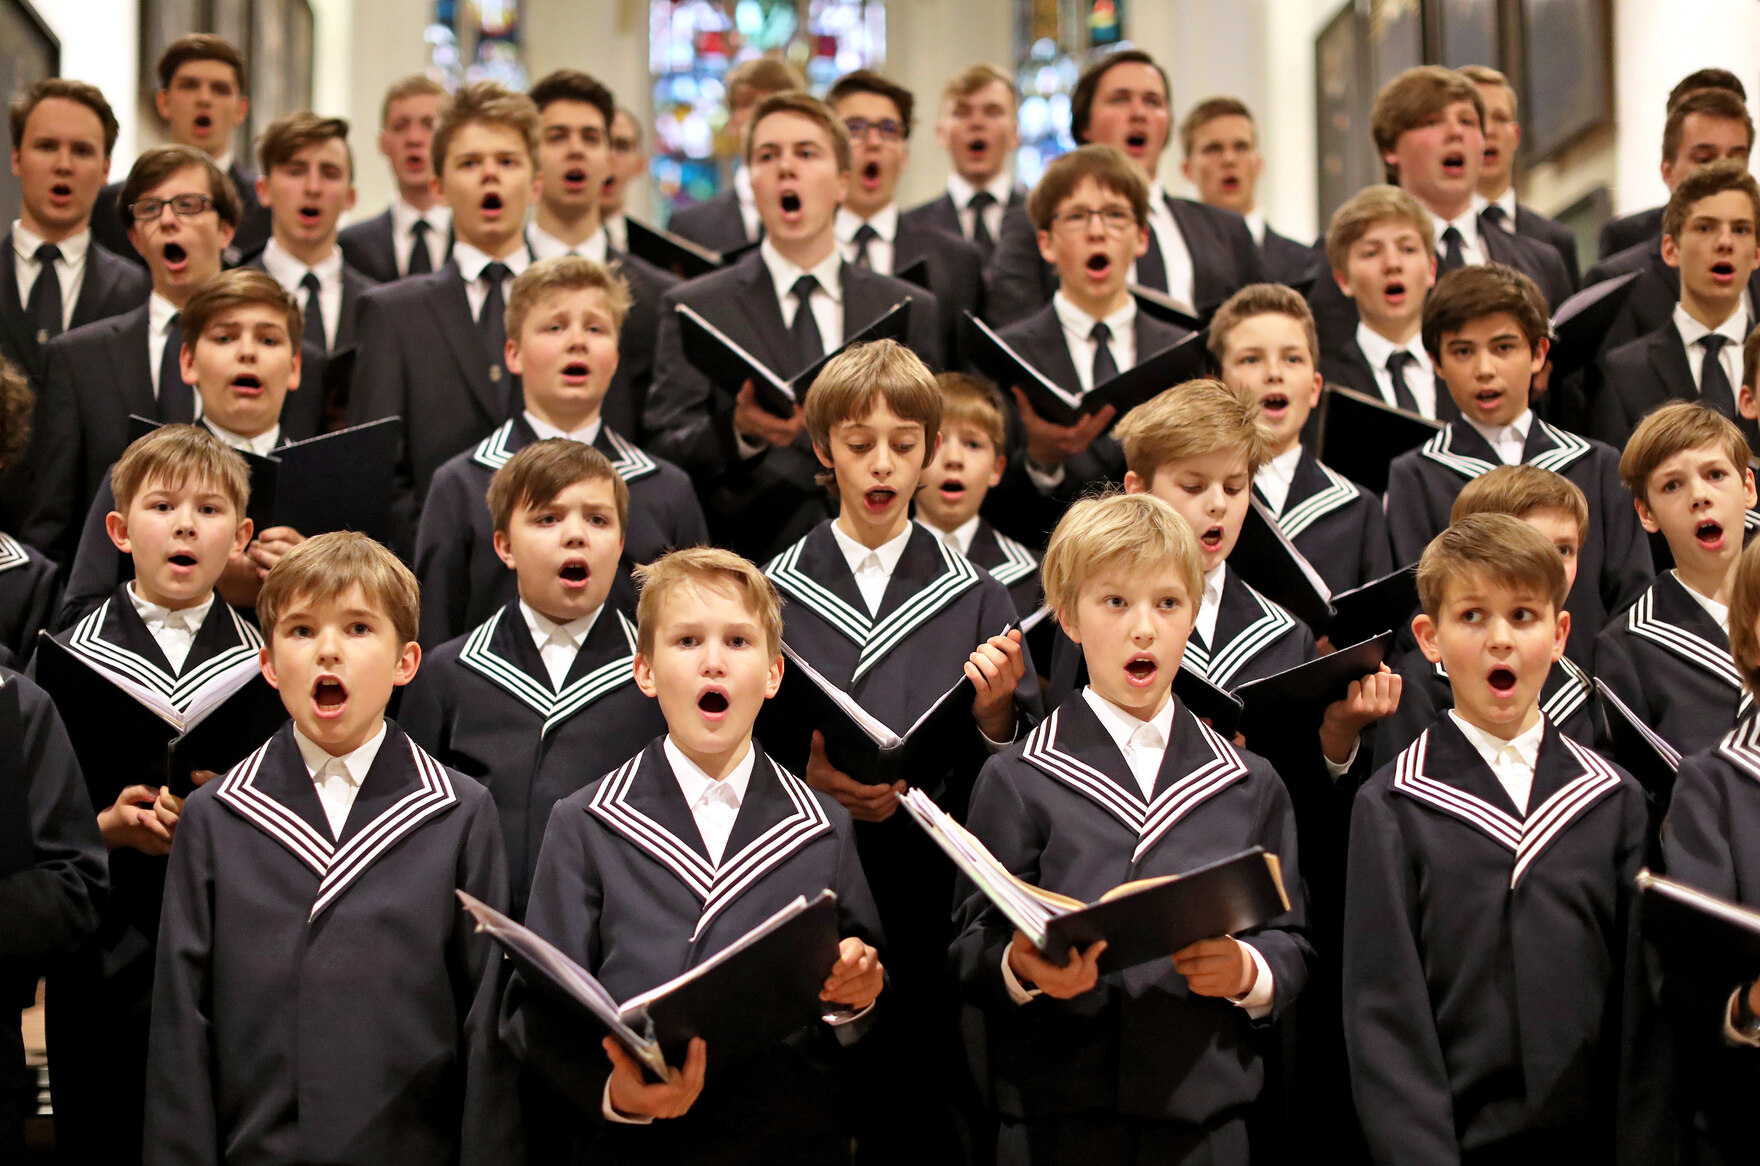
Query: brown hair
[[1136, 533], [973, 78], [1521, 491], [1262, 299], [1415, 95], [1497, 548], [159, 163], [1751, 359], [90, 96], [807, 106], [1702, 182], [969, 400], [176, 454], [1706, 79], [488, 103], [1476, 291], [322, 569], [705, 567], [1081, 99], [201, 46], [16, 403], [412, 85], [1367, 209], [1106, 165], [635, 121], [574, 85], [1744, 610], [1715, 103], [1675, 428], [533, 477], [760, 77], [868, 81], [1207, 111], [237, 288], [286, 136], [565, 273], [850, 384], [1486, 75], [1191, 420]]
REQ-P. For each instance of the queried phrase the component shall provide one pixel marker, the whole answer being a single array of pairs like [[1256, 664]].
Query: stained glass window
[[1053, 39]]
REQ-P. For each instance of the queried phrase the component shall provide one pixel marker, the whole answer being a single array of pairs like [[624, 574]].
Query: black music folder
[[1294, 701], [1208, 702], [728, 365], [1360, 435], [675, 253], [1166, 309], [997, 360], [1582, 321], [1714, 929], [1270, 563], [1637, 748], [1384, 604], [742, 1000]]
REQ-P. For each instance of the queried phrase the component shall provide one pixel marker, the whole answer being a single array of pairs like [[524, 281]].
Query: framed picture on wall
[[163, 21], [29, 52], [1467, 32], [1568, 89], [1341, 110], [1396, 40]]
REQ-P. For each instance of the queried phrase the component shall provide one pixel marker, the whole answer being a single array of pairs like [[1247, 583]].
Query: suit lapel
[[12, 298], [1209, 257], [763, 315], [353, 284], [132, 381], [1246, 624], [501, 652], [1668, 361], [1042, 342], [1668, 617], [95, 286], [452, 310], [1315, 492]]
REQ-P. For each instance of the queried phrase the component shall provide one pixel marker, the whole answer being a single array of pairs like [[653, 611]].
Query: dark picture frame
[[1344, 152], [1467, 32], [1568, 73], [29, 52]]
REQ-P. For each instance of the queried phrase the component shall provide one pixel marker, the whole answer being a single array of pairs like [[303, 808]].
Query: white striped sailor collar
[[1444, 771], [272, 790], [1315, 491], [497, 449], [1741, 745], [501, 651], [1073, 748], [1665, 615], [1459, 447], [12, 553], [1016, 561], [1251, 624], [944, 575], [231, 644], [643, 802], [1570, 688]]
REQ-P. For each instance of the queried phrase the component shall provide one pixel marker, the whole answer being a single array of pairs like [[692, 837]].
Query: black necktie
[[420, 262], [1714, 386], [981, 237], [809, 346], [176, 401], [865, 234], [1453, 259], [492, 323], [1151, 267], [315, 334], [1495, 215], [1105, 367], [43, 309], [1396, 372]]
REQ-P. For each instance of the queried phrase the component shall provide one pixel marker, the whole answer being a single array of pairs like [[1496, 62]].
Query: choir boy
[[656, 866], [979, 128], [1220, 143], [320, 996], [1490, 886], [28, 580], [1161, 1062], [1503, 137], [412, 236], [732, 218]]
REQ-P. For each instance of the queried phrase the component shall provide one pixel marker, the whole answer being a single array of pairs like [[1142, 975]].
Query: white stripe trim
[[13, 554], [631, 463], [1298, 518], [1219, 668], [1570, 695], [1567, 448], [227, 669], [1695, 649], [555, 707], [1741, 745], [492, 453], [1017, 561]]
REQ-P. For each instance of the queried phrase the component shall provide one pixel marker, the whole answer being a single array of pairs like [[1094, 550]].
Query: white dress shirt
[[1210, 604], [881, 250], [338, 779], [548, 246], [1276, 476], [1472, 247], [70, 268], [960, 537], [617, 231], [1078, 334], [714, 803], [1511, 761], [872, 568], [586, 434], [1256, 226], [1506, 441], [472, 263], [961, 191], [262, 444], [1175, 255], [826, 300], [159, 313], [1506, 200], [1734, 329], [558, 643], [1420, 375], [173, 630], [403, 223], [748, 202], [1717, 611], [288, 272]]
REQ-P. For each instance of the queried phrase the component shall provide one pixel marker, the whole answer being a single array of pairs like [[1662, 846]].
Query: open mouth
[[1394, 292], [1709, 534], [182, 559], [491, 203], [1136, 143], [576, 370], [310, 215], [1099, 264], [1502, 681], [1723, 271], [247, 383], [575, 178], [1488, 399], [1211, 540], [1274, 403], [575, 573], [204, 121], [871, 174], [329, 694], [175, 256], [1490, 154], [978, 146], [61, 190], [791, 203], [607, 186], [713, 701], [1231, 184], [879, 498], [953, 489], [1141, 669], [1454, 164]]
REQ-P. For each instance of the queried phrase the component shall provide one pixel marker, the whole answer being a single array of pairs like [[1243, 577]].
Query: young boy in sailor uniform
[[1490, 885], [658, 865], [321, 996], [563, 320], [1158, 1063]]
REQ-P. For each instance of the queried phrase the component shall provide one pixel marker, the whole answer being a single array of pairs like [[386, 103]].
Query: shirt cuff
[[621, 1119], [841, 1020], [996, 746], [747, 447], [1337, 769], [1257, 1001], [1731, 1034], [1016, 992], [1044, 478]]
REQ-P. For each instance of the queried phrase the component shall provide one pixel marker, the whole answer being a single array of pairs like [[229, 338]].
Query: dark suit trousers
[[1111, 1140]]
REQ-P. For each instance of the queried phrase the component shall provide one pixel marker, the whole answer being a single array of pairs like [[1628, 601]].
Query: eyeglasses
[[184, 206], [1115, 219], [889, 130]]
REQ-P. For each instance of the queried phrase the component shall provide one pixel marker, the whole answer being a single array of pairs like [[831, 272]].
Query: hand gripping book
[[998, 360], [1145, 920], [745, 998], [728, 365]]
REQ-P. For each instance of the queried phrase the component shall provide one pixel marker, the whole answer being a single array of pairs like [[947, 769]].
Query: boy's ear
[[773, 682], [1648, 520], [511, 356], [1671, 251], [293, 366], [998, 468], [504, 549], [823, 460], [241, 539], [1067, 621], [186, 364], [1046, 251], [644, 673], [1746, 403], [1135, 483], [1319, 385], [116, 526], [262, 185], [1142, 246], [267, 663], [1424, 631], [1560, 633], [407, 663], [1538, 360], [1748, 494]]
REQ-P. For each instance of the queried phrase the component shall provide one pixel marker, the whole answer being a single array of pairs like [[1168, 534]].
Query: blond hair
[[1521, 491], [1137, 534], [1369, 208], [176, 455], [1495, 548], [1412, 98], [322, 569], [565, 273], [970, 400], [1744, 610], [705, 567], [1191, 420], [856, 378], [1207, 111], [1486, 75], [758, 78], [534, 476], [1262, 299], [1674, 428], [486, 103], [973, 78], [412, 85], [807, 106]]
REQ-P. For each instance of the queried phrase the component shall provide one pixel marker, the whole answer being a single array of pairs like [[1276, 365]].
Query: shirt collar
[[1215, 580], [783, 271], [1489, 745], [1284, 464], [225, 162], [472, 261], [884, 221], [1733, 329], [1256, 225], [544, 629], [694, 783], [1000, 188], [73, 248], [288, 271], [1079, 323], [355, 763], [1157, 198], [1506, 200], [159, 313], [404, 216], [547, 246], [961, 535], [855, 554], [1121, 726], [1495, 433], [1377, 348], [586, 434], [1719, 612], [155, 616], [261, 445]]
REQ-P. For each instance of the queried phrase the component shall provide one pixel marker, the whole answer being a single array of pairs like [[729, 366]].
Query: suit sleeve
[[1628, 569], [1000, 819], [678, 418], [1615, 668], [1398, 1076], [55, 454], [444, 547], [1015, 282], [1607, 415], [379, 390], [425, 708], [1410, 526], [490, 1130]]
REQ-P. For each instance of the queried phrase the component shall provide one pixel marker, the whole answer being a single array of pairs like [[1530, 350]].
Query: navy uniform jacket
[[1010, 564], [28, 590], [1567, 698], [1613, 565], [110, 286], [1667, 659], [484, 705], [324, 998], [1651, 301], [941, 215], [760, 505], [1336, 524], [1629, 230], [370, 249], [626, 889], [715, 223], [1063, 811], [1644, 374], [1289, 262], [1531, 224], [462, 578], [1345, 365], [355, 284], [1484, 949]]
